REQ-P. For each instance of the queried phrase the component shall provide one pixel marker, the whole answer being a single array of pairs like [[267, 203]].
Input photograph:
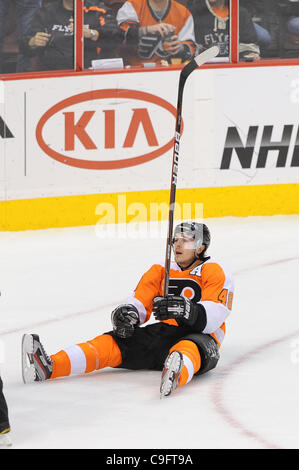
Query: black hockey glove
[[183, 310], [147, 45], [125, 318], [186, 53], [110, 31]]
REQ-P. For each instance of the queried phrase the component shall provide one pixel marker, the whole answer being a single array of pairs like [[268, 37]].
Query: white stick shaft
[[207, 55]]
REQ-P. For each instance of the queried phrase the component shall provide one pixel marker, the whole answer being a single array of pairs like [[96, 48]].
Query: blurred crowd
[[277, 25], [39, 34]]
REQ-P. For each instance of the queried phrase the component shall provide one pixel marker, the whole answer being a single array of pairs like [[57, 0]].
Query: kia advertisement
[[91, 132]]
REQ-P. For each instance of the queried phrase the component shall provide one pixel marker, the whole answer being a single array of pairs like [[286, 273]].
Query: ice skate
[[36, 364], [171, 373], [5, 440]]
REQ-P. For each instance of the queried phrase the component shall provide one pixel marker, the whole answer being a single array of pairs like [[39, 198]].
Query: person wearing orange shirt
[[183, 342], [157, 31]]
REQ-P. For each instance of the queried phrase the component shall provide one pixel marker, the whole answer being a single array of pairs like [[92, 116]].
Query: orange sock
[[191, 357], [82, 358]]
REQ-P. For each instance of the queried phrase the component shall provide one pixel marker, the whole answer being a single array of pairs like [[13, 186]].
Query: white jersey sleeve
[[127, 13]]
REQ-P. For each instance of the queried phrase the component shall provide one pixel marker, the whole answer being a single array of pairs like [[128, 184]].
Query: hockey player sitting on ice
[[184, 342]]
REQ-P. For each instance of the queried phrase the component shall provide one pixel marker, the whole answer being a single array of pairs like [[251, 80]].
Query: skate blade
[[28, 369], [173, 366]]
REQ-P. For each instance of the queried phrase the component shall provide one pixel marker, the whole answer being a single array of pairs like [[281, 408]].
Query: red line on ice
[[218, 389]]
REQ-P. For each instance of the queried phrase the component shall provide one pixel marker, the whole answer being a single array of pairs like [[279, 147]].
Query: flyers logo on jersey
[[107, 129], [185, 288]]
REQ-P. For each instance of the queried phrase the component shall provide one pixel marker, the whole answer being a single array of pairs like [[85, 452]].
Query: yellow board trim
[[70, 211]]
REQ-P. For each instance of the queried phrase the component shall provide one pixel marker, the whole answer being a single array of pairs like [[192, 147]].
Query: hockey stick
[[185, 72]]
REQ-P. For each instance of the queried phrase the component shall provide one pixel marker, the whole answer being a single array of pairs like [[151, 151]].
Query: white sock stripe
[[188, 363], [77, 358], [219, 333]]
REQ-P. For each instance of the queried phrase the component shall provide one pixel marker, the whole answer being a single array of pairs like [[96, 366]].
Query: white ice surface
[[63, 283]]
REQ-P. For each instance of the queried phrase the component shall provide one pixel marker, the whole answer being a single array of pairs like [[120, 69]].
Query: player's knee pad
[[208, 349]]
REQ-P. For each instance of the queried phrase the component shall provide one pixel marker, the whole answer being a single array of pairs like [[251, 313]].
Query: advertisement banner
[[97, 134], [102, 134]]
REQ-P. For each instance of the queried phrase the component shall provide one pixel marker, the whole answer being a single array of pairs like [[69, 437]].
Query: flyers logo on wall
[[107, 129]]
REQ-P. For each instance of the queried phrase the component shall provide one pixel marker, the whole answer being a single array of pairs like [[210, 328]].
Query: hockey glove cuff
[[183, 310], [125, 318], [109, 30]]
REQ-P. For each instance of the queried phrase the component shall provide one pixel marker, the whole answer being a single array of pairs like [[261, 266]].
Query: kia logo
[[81, 127]]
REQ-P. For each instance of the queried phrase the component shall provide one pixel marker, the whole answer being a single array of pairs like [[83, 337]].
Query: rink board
[[97, 148], [71, 211]]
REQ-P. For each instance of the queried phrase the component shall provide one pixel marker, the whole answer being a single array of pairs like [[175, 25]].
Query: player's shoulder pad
[[209, 267], [217, 272], [161, 265], [156, 267]]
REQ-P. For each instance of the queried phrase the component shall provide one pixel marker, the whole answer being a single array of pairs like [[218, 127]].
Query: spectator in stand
[[157, 31], [211, 24], [24, 12], [51, 34], [292, 20], [293, 29], [259, 10]]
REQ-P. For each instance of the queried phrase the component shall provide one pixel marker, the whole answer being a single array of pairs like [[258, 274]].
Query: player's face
[[183, 248]]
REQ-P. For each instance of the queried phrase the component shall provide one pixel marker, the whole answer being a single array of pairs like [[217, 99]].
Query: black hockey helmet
[[196, 230]]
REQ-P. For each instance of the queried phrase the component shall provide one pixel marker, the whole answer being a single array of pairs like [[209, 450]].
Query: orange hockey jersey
[[209, 284], [140, 13]]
